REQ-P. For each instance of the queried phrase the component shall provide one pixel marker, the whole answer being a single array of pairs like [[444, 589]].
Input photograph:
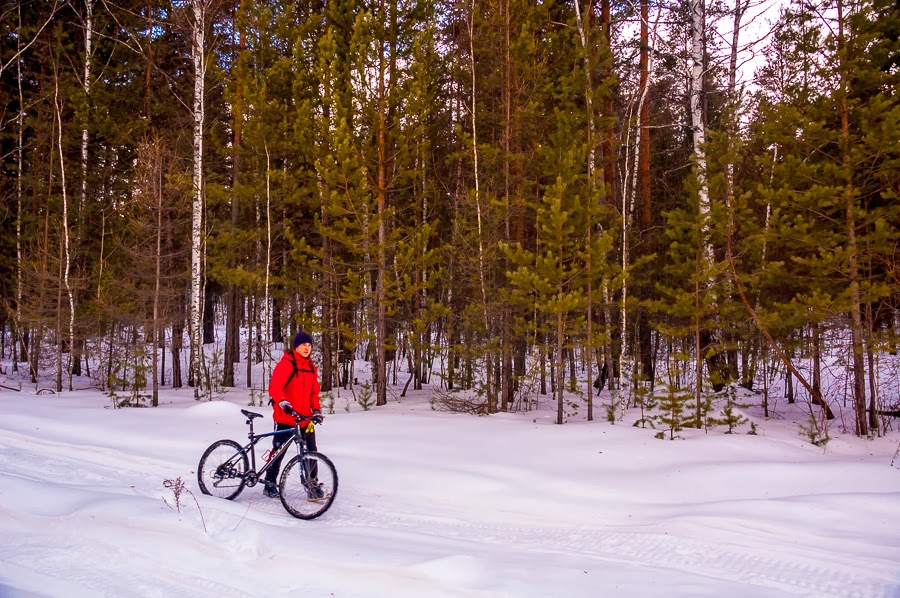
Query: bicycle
[[308, 482]]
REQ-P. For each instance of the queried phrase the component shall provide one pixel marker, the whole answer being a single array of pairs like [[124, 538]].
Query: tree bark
[[594, 183], [198, 51], [488, 369], [380, 298], [267, 319], [859, 380], [157, 176], [233, 293], [718, 370], [645, 339], [66, 265], [20, 349]]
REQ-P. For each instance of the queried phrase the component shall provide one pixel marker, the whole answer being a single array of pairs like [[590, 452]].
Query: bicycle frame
[[250, 447]]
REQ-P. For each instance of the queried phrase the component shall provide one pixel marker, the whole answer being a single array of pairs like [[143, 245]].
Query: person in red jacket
[[295, 380]]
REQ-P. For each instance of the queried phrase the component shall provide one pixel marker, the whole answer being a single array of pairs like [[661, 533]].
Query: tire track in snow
[[42, 458], [808, 572]]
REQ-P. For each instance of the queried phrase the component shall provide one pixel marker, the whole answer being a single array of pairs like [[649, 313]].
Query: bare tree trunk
[[698, 358], [380, 298], [177, 320], [19, 346], [37, 338], [637, 178], [251, 322], [739, 7], [559, 387], [331, 336], [626, 213], [267, 319], [573, 375], [591, 172], [198, 51], [609, 134], [254, 326], [543, 360], [161, 345], [157, 174], [644, 340], [232, 351], [88, 49], [65, 229], [859, 381], [698, 124], [765, 368], [506, 375], [609, 179], [873, 384], [816, 360], [59, 336], [789, 387], [716, 361], [489, 390]]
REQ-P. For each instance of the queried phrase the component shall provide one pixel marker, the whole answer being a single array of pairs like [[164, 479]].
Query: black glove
[[317, 417], [286, 407]]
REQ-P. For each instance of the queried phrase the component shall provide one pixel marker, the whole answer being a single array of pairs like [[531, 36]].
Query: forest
[[490, 198]]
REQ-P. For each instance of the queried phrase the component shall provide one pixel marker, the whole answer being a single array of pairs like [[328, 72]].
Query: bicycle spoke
[[308, 485], [221, 470]]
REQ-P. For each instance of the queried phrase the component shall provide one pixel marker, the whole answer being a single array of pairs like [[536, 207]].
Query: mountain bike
[[308, 482]]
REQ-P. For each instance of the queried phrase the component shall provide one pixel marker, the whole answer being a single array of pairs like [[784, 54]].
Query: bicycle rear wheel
[[308, 485], [222, 469]]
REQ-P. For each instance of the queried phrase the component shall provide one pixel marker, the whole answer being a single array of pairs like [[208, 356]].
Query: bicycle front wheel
[[308, 485], [222, 469]]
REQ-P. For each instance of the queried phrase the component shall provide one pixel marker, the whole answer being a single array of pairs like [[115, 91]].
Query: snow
[[440, 504]]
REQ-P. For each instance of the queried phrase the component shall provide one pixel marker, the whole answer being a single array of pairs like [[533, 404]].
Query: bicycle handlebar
[[289, 410]]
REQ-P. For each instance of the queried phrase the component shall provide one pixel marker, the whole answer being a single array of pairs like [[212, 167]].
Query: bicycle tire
[[219, 482], [294, 487]]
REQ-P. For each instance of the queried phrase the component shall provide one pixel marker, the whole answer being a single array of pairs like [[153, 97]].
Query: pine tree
[[828, 216]]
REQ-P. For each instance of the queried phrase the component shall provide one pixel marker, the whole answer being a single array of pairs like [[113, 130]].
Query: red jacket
[[300, 388]]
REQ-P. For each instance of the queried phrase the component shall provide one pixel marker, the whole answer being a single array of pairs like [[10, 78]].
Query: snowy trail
[[809, 573], [34, 466]]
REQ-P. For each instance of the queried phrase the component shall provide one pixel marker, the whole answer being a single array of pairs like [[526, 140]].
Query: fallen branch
[[443, 401]]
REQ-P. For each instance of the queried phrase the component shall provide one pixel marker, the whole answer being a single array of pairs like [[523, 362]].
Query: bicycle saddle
[[250, 414]]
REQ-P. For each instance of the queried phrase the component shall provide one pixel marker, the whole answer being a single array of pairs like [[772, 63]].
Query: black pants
[[280, 439]]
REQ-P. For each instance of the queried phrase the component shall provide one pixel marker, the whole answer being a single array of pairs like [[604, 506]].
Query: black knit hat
[[301, 338]]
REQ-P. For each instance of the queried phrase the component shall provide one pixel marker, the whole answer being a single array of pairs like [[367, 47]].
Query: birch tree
[[66, 265], [199, 13], [696, 114]]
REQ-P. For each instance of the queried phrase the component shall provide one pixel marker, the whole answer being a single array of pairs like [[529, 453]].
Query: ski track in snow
[[806, 572]]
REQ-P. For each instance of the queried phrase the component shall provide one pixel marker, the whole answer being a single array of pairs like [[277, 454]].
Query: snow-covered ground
[[440, 504]]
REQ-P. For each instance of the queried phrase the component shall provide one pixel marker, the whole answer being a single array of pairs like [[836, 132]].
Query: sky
[[440, 504]]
